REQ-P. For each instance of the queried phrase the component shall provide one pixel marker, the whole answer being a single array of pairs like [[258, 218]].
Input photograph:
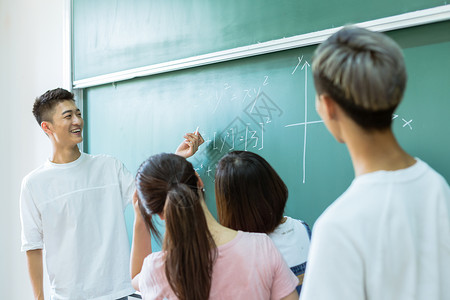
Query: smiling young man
[[72, 206]]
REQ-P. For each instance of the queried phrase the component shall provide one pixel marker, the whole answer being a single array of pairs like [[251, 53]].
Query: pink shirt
[[247, 267]]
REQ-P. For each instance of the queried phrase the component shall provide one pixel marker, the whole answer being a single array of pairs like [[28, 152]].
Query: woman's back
[[200, 259], [292, 238], [247, 267], [251, 196]]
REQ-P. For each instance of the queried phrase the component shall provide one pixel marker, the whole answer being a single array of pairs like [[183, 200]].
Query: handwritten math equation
[[246, 131], [238, 135], [405, 122]]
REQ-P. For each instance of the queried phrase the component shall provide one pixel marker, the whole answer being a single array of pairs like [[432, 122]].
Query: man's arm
[[190, 145], [35, 269]]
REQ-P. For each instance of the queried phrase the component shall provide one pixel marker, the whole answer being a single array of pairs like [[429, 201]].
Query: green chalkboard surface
[[111, 36], [265, 104]]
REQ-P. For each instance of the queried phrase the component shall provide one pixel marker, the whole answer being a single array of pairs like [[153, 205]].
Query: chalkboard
[[261, 104], [111, 36]]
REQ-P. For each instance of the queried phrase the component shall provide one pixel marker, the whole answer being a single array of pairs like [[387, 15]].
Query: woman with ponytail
[[201, 259]]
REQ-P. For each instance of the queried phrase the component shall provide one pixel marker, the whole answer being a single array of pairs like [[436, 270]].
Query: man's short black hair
[[44, 104]]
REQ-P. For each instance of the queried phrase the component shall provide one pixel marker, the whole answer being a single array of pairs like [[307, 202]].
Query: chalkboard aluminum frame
[[411, 19]]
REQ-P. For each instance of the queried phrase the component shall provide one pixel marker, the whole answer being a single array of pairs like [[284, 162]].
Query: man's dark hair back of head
[[44, 104], [364, 72]]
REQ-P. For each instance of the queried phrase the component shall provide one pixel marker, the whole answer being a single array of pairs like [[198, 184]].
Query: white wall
[[31, 62]]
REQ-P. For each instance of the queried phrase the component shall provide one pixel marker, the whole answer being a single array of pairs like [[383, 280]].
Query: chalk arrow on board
[[306, 64]]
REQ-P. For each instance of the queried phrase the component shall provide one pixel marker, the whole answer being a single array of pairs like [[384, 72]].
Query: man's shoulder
[[101, 161], [348, 209], [36, 173], [101, 158], [98, 156], [89, 162], [434, 175], [106, 164]]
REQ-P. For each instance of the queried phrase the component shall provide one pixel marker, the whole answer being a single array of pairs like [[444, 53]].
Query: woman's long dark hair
[[250, 195], [167, 183]]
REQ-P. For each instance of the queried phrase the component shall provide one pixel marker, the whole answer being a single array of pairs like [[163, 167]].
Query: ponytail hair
[[167, 183]]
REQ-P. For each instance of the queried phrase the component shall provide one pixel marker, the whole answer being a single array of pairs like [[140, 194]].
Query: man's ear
[[328, 106], [47, 127]]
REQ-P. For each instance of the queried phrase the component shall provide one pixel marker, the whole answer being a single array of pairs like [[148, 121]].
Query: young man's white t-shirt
[[387, 237], [75, 211]]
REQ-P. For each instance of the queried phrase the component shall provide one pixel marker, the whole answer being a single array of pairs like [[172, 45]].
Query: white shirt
[[75, 211], [292, 239], [387, 237]]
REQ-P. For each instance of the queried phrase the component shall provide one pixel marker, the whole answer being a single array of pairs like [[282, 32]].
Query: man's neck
[[65, 155], [375, 151]]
